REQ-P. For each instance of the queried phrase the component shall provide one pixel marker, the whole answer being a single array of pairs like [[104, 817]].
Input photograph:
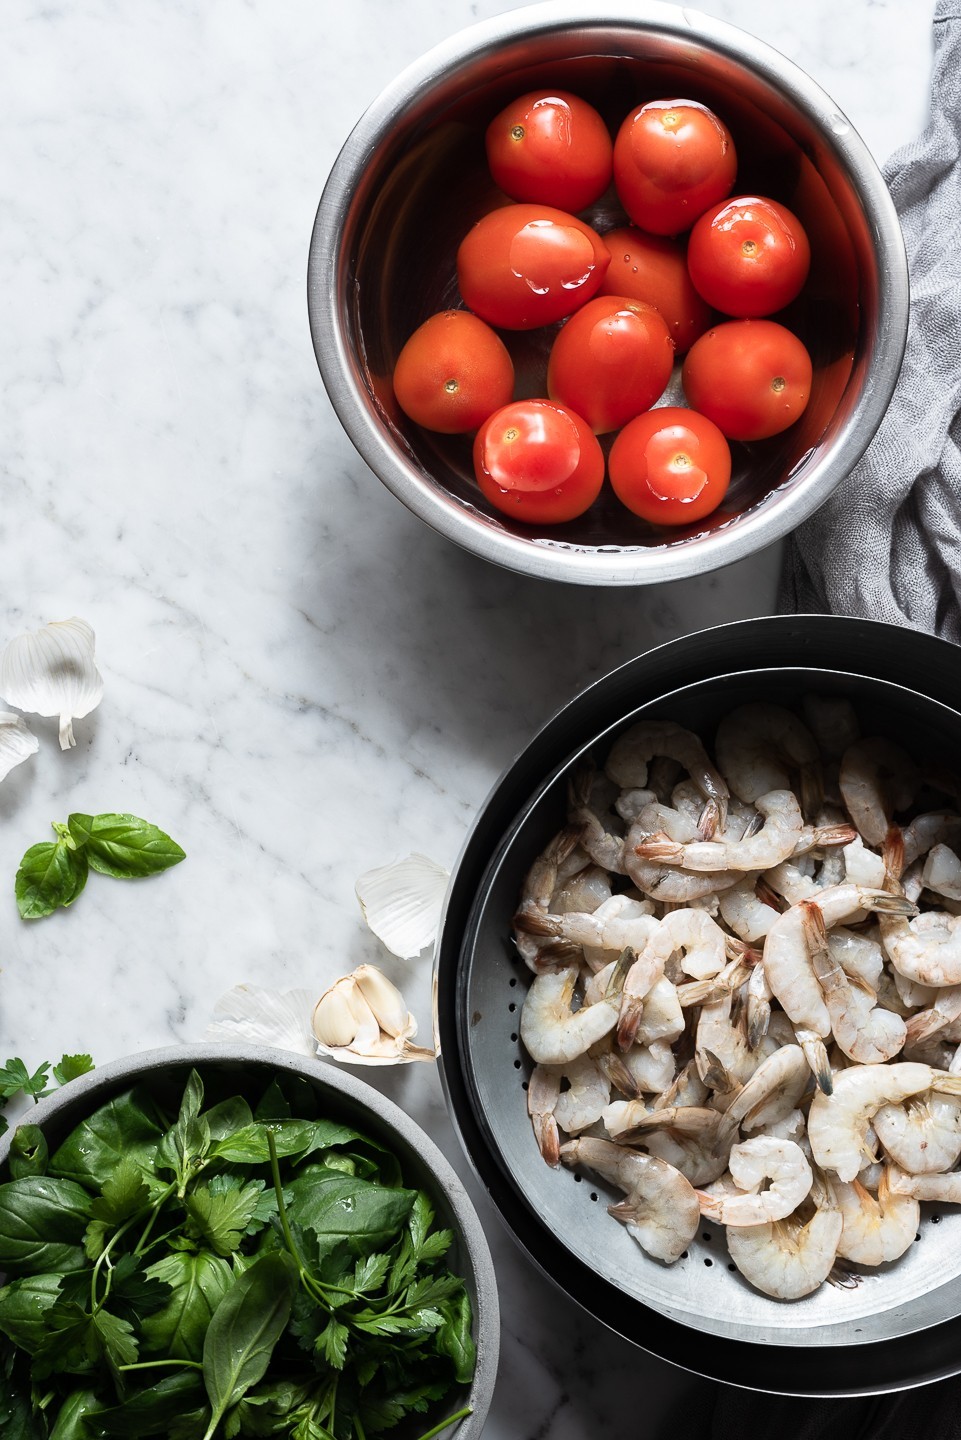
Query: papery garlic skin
[[52, 672], [17, 743], [402, 903], [266, 1017]]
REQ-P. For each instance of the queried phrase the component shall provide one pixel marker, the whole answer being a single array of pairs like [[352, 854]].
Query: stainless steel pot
[[411, 179], [902, 1325]]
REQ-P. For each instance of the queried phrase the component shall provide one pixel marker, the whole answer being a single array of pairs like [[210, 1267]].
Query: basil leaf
[[42, 1221], [123, 845], [244, 1330], [71, 1421], [248, 1144], [51, 874], [28, 1152], [152, 1411], [198, 1283], [124, 1128], [340, 1207], [454, 1336], [23, 1307]]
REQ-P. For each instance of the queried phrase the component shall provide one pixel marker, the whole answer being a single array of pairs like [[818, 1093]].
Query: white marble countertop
[[302, 681]]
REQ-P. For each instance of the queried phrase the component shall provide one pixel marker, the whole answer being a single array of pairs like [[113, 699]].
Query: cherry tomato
[[749, 256], [527, 265], [452, 373], [672, 159], [751, 377], [551, 148], [611, 361], [538, 462], [671, 466], [653, 268]]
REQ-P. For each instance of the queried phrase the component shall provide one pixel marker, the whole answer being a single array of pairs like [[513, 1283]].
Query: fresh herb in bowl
[[224, 1272]]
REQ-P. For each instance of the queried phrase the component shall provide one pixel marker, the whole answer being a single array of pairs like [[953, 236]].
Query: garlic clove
[[402, 903], [17, 743], [52, 672], [386, 1002], [267, 1017], [362, 1019]]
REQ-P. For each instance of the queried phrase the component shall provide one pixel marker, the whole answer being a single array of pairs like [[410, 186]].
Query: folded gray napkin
[[887, 544]]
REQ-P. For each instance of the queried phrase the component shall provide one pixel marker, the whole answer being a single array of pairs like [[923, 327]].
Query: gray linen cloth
[[887, 544]]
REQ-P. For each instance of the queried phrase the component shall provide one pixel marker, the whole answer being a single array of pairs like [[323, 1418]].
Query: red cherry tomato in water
[[653, 268], [672, 159], [749, 256], [538, 462], [527, 265], [611, 361], [552, 148], [452, 373], [671, 466], [751, 377]]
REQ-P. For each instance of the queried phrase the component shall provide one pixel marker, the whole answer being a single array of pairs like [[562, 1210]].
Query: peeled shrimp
[[942, 872], [774, 842], [543, 1091], [785, 1258], [540, 883], [923, 1136], [701, 943], [552, 1032], [864, 1031], [631, 754], [937, 827], [772, 1092], [877, 779], [863, 866], [875, 1230], [943, 1189], [660, 1208], [926, 949], [759, 745], [615, 924], [838, 1123], [722, 1053], [744, 912], [753, 1161]]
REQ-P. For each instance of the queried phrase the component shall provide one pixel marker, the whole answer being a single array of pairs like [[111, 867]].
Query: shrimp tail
[[619, 1075], [815, 1053], [758, 1020], [710, 819], [829, 835], [885, 903], [714, 1072], [660, 847], [892, 853]]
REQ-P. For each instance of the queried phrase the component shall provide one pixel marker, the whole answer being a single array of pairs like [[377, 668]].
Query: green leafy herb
[[219, 1272], [53, 873]]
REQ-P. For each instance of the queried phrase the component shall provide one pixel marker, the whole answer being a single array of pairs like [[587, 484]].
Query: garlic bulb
[[52, 672], [363, 1019], [17, 743], [402, 903], [267, 1017]]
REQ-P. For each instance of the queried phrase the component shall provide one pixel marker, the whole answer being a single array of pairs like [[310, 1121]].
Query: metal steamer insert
[[560, 1216]]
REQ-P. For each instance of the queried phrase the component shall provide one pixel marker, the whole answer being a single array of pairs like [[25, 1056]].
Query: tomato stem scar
[[451, 386], [777, 384], [517, 132]]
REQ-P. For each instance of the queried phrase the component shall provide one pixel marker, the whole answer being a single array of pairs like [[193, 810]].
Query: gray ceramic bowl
[[246, 1070], [412, 179]]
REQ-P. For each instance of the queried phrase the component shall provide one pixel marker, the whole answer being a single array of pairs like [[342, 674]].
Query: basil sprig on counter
[[224, 1272], [53, 873]]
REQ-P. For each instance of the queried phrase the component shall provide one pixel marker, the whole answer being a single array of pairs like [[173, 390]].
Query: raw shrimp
[[926, 949], [701, 943], [877, 779], [540, 883], [875, 1230], [602, 844], [774, 842], [865, 1032], [937, 827], [724, 1057], [543, 1091], [923, 1135], [863, 866], [660, 882], [744, 912], [615, 924], [757, 747], [662, 1017], [943, 1189], [552, 1032], [785, 1258], [838, 1123], [630, 803], [588, 1093], [751, 1162], [685, 1136], [833, 723], [660, 1208], [651, 1068], [585, 891], [787, 960], [942, 872], [938, 1016], [758, 1009], [630, 755], [772, 1092]]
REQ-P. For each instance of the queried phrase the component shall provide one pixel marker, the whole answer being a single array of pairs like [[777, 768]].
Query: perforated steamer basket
[[901, 1325]]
